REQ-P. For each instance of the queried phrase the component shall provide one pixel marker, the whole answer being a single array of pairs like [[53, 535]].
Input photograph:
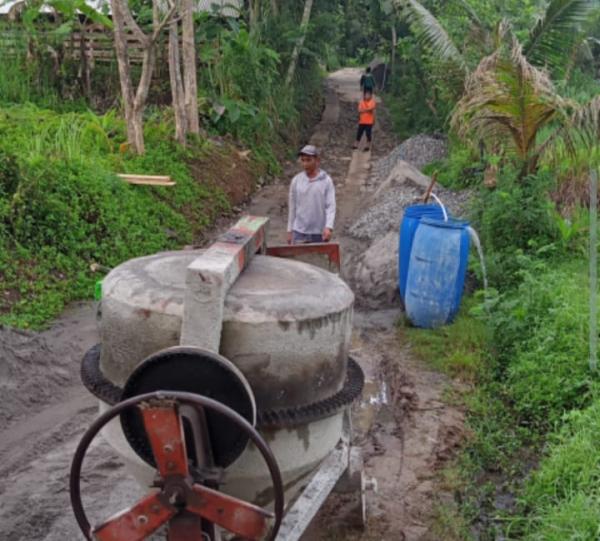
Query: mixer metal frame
[[341, 471]]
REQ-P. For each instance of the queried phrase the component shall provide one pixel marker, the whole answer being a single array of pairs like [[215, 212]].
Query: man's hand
[[327, 234], [289, 237]]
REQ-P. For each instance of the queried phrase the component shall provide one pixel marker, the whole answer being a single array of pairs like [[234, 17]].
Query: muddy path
[[406, 430]]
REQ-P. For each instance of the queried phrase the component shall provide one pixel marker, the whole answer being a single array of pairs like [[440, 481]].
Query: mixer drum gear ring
[[95, 381]]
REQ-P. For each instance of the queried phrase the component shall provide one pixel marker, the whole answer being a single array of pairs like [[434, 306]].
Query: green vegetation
[[523, 144], [457, 349], [512, 83], [62, 207]]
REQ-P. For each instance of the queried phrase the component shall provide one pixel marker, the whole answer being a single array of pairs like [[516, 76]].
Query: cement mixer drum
[[286, 327]]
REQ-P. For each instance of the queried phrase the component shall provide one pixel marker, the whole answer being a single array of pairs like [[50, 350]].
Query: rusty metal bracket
[[331, 250]]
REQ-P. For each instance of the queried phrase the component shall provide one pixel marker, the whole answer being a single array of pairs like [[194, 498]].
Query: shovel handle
[[430, 187]]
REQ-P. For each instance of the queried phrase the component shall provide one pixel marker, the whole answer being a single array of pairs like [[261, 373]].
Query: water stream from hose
[[477, 243], [439, 202]]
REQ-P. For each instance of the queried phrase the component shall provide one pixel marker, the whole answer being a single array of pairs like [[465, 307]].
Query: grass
[[561, 500], [458, 349], [533, 412], [62, 207]]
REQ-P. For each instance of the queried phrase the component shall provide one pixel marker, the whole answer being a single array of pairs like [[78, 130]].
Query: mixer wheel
[[192, 370], [187, 506]]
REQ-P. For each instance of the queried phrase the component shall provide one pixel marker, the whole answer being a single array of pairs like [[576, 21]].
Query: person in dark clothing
[[367, 81]]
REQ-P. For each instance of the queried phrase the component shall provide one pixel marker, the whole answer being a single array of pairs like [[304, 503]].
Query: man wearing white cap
[[311, 201]]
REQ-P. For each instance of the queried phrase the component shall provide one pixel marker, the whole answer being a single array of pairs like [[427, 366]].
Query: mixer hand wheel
[[181, 502]]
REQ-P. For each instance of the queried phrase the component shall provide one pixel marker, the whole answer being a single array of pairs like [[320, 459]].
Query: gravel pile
[[386, 215], [418, 151], [396, 183]]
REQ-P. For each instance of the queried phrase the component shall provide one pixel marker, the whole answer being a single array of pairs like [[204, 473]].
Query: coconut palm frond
[[473, 15], [586, 124], [429, 31], [503, 33], [509, 100], [551, 40]]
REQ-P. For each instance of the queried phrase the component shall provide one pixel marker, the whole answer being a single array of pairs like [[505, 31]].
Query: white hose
[[439, 202]]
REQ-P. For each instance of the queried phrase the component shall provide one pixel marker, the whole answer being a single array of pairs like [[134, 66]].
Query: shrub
[[563, 495], [515, 220], [516, 215], [460, 169], [540, 334], [62, 207]]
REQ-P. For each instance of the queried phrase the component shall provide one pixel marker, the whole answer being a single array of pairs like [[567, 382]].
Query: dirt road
[[405, 428]]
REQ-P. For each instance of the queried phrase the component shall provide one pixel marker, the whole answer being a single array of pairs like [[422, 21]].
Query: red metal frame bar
[[137, 522], [165, 434], [329, 249], [180, 502], [236, 516]]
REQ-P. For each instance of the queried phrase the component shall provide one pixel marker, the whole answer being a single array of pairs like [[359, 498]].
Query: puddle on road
[[375, 395]]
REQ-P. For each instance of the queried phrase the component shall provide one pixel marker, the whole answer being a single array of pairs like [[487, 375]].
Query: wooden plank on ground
[[150, 180]]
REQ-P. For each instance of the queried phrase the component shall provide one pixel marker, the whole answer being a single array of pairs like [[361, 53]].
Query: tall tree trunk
[[134, 104], [300, 42], [190, 83], [394, 45], [274, 8], [85, 54], [123, 66], [254, 7], [141, 95], [177, 92]]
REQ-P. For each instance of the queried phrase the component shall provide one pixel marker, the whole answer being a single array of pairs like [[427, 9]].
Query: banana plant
[[69, 11]]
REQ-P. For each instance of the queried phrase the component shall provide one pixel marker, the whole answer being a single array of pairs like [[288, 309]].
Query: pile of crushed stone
[[418, 150], [386, 215], [396, 183], [32, 373]]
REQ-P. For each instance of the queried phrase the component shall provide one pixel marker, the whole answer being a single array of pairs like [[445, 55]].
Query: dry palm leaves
[[507, 100]]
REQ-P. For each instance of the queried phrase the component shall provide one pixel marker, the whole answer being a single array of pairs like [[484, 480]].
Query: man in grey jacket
[[311, 201]]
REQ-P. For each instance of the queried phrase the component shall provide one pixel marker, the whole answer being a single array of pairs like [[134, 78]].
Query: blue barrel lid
[[451, 223]]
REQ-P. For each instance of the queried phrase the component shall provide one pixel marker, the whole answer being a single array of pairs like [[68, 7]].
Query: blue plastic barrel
[[410, 221], [436, 273]]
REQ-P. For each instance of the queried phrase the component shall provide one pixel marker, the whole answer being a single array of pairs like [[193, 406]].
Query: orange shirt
[[366, 111]]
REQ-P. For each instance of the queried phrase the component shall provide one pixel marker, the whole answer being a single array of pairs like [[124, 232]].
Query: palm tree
[[515, 105], [509, 101], [550, 42]]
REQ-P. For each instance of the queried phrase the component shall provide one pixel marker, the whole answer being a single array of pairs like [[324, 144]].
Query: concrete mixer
[[225, 382]]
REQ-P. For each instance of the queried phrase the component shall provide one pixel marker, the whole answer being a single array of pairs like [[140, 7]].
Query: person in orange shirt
[[366, 119]]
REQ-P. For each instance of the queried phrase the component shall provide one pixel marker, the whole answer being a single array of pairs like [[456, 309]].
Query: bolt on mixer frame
[[187, 496]]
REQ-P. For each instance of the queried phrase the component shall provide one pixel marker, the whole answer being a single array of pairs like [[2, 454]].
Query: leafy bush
[[516, 215], [540, 335], [515, 220], [421, 91], [62, 207], [460, 169], [562, 497]]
